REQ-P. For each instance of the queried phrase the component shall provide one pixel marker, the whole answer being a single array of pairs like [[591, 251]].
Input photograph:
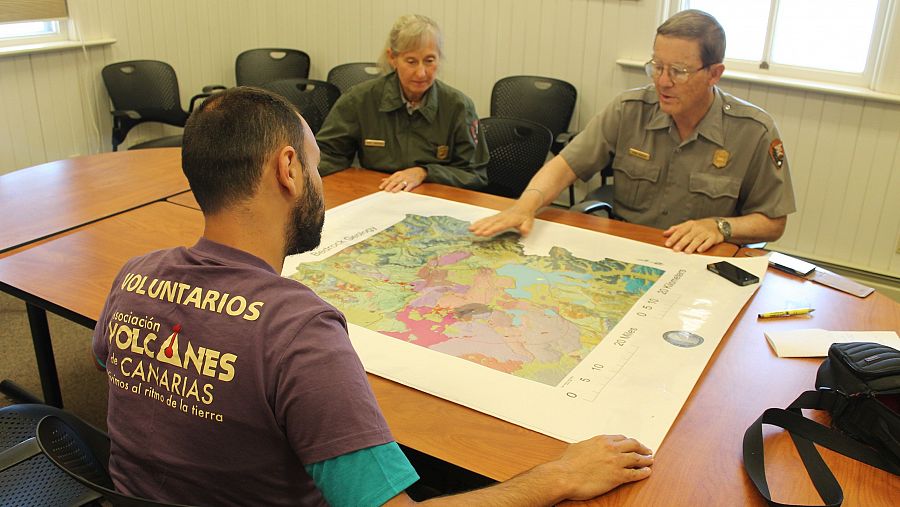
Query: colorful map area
[[426, 281]]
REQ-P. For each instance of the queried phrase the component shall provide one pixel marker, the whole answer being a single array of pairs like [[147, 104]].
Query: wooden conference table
[[699, 463], [48, 199]]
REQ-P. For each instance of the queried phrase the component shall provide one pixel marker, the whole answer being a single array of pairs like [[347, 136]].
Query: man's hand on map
[[595, 466], [693, 236], [519, 216], [404, 181]]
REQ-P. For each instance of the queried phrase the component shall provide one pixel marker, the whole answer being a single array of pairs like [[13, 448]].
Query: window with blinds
[[32, 21]]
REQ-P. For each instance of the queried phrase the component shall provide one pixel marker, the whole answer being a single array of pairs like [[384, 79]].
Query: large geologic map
[[567, 331], [425, 281]]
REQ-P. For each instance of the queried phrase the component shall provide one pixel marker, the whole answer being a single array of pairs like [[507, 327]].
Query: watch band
[[724, 227]]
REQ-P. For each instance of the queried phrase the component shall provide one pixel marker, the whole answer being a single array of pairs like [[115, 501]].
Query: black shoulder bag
[[859, 385]]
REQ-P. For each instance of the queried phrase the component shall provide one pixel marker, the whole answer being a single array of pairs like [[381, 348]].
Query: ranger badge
[[720, 158]]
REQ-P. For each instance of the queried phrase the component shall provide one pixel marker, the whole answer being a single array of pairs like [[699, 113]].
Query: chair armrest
[[561, 141], [598, 208], [565, 137], [199, 96], [126, 113], [212, 88], [18, 453]]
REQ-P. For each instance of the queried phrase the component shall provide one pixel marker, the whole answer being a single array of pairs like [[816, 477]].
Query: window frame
[[868, 78], [60, 35]]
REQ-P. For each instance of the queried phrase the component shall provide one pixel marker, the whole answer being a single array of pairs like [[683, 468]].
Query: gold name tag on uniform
[[638, 153], [375, 143], [720, 158], [443, 151]]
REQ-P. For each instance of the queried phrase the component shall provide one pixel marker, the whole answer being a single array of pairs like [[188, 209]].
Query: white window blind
[[27, 10]]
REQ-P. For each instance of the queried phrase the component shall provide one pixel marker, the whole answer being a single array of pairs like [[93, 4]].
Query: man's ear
[[288, 170], [715, 73]]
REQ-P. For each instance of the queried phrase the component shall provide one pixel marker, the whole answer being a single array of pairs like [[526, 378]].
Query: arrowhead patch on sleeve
[[776, 151]]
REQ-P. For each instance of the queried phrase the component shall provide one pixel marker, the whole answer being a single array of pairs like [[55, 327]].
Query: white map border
[[652, 378]]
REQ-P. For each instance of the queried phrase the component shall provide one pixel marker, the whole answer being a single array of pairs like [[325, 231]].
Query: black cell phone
[[733, 273]]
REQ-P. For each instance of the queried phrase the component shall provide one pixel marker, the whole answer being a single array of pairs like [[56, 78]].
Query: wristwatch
[[724, 227]]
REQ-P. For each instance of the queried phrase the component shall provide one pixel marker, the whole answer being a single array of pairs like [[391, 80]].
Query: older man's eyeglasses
[[677, 73]]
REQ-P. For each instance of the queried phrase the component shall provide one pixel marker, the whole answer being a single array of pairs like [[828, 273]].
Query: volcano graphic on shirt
[[169, 352]]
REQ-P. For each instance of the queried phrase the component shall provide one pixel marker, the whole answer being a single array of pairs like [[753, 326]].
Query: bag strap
[[754, 462], [832, 439], [805, 432]]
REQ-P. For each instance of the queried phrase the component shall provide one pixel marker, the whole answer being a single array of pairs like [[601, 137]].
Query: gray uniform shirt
[[732, 165]]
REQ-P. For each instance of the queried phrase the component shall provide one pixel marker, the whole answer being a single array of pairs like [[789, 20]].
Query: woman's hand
[[404, 180]]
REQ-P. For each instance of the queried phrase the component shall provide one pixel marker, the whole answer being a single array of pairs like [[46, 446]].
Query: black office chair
[[518, 148], [28, 477], [311, 97], [83, 454], [255, 67], [145, 91], [346, 75], [545, 100]]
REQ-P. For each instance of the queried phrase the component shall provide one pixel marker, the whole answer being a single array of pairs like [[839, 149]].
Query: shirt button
[[665, 212], [727, 107]]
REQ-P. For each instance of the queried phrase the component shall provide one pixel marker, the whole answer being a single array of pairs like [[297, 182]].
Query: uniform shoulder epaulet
[[739, 108]]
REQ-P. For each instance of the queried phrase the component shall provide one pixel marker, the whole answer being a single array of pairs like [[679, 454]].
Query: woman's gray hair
[[410, 32], [700, 26]]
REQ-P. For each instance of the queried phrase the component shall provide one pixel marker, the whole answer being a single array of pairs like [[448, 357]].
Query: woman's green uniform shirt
[[371, 120]]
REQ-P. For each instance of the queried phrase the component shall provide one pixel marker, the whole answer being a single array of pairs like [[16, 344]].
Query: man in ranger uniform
[[687, 157]]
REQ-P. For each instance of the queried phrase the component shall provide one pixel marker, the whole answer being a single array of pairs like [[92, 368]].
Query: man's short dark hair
[[700, 26], [228, 140]]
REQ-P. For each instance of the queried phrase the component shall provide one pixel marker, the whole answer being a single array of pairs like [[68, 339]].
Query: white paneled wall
[[844, 152]]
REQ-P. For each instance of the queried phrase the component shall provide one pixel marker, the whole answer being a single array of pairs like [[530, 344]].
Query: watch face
[[724, 227]]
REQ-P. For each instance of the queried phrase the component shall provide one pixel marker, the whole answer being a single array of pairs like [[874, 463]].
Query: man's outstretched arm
[[585, 470]]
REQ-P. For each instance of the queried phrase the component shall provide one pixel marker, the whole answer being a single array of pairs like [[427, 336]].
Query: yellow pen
[[786, 313]]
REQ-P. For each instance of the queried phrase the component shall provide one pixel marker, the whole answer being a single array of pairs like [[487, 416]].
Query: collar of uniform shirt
[[412, 107]]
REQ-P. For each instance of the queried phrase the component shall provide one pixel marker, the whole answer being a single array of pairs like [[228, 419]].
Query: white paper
[[815, 342], [630, 377]]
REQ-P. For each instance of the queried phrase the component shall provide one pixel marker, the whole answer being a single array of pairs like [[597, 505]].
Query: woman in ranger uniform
[[407, 123]]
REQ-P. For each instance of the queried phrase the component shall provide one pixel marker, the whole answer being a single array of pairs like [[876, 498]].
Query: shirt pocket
[[635, 182], [713, 195], [378, 152]]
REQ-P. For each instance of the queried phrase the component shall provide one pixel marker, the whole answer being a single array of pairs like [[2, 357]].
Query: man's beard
[[304, 231]]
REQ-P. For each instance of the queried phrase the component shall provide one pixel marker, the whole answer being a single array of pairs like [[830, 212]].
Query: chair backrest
[[518, 148], [313, 98], [84, 457], [544, 100], [346, 75], [255, 67], [141, 91], [27, 477]]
